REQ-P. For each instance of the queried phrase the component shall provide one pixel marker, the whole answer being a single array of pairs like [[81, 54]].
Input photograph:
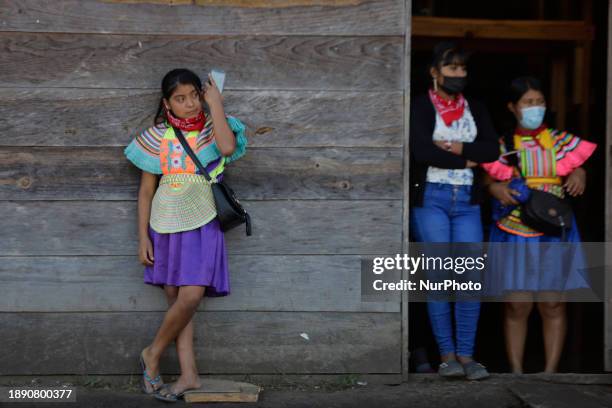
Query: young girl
[[180, 240], [449, 136], [527, 267]]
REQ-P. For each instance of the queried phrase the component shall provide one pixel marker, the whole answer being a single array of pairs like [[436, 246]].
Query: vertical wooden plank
[[405, 355], [608, 217]]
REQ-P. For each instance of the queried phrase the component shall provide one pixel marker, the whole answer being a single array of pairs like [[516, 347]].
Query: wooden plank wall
[[320, 85]]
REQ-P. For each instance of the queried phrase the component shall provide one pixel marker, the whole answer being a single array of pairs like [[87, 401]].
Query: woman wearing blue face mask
[[530, 269]]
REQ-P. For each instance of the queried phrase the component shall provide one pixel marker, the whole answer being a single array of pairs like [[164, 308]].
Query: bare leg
[[189, 378], [517, 309], [554, 327], [176, 319]]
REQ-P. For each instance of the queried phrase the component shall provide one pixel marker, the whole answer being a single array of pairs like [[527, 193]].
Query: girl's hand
[[212, 95], [575, 183], [145, 252], [503, 193], [470, 164]]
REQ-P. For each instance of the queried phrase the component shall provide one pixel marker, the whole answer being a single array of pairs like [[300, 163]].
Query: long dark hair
[[174, 78]]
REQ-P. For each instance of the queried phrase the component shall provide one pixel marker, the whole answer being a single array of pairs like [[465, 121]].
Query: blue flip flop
[[170, 396], [146, 377]]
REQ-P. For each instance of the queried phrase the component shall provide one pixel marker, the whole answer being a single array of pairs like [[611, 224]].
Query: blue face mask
[[532, 117]]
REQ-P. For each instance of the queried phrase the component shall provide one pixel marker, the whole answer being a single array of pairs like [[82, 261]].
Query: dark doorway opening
[[560, 65]]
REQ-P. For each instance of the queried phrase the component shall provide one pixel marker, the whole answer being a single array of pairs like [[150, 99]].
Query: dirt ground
[[500, 391]]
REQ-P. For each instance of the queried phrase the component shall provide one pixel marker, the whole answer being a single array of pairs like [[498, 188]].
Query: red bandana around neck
[[195, 123], [449, 110]]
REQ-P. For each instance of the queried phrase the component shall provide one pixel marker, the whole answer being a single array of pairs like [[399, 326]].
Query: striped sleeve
[[208, 151], [571, 151], [239, 130], [143, 150]]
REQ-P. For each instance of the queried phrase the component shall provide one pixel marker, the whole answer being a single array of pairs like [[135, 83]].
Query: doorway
[[565, 44]]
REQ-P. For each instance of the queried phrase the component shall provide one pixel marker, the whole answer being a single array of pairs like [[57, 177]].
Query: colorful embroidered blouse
[[157, 150], [543, 160]]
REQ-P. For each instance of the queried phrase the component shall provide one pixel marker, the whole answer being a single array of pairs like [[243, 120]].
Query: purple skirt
[[196, 257]]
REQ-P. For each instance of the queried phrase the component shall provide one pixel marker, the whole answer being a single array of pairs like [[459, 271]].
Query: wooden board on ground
[[217, 390]]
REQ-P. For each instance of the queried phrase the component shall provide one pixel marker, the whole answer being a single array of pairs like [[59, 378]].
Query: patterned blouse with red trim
[[543, 159]]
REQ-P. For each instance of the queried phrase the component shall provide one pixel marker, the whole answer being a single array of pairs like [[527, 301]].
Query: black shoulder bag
[[544, 211], [547, 213], [230, 212]]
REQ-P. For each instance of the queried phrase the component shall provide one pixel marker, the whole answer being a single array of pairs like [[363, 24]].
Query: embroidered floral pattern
[[173, 157]]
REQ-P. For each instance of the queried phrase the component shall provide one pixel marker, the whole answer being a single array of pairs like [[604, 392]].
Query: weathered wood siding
[[320, 85]]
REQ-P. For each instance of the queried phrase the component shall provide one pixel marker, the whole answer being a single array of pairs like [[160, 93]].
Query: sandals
[[147, 378], [168, 397]]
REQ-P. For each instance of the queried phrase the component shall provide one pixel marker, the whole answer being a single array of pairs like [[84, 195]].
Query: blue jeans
[[448, 216]]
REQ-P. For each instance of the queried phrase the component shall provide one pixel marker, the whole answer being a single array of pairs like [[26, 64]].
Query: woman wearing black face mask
[[449, 136]]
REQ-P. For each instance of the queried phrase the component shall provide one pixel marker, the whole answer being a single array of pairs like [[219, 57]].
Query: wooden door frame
[[405, 354], [608, 210]]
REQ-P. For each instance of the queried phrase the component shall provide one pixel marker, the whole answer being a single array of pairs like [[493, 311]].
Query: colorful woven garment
[[542, 159], [157, 150], [183, 200]]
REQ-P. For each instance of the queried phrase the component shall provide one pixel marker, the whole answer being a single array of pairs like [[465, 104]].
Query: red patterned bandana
[[195, 123], [450, 110]]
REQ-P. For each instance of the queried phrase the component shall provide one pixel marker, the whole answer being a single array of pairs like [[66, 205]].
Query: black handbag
[[543, 211], [230, 212], [547, 213]]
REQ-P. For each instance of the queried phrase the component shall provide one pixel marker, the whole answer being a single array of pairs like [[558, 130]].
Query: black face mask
[[454, 85]]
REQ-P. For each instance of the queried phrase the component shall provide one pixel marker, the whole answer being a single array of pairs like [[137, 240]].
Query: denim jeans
[[448, 216]]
